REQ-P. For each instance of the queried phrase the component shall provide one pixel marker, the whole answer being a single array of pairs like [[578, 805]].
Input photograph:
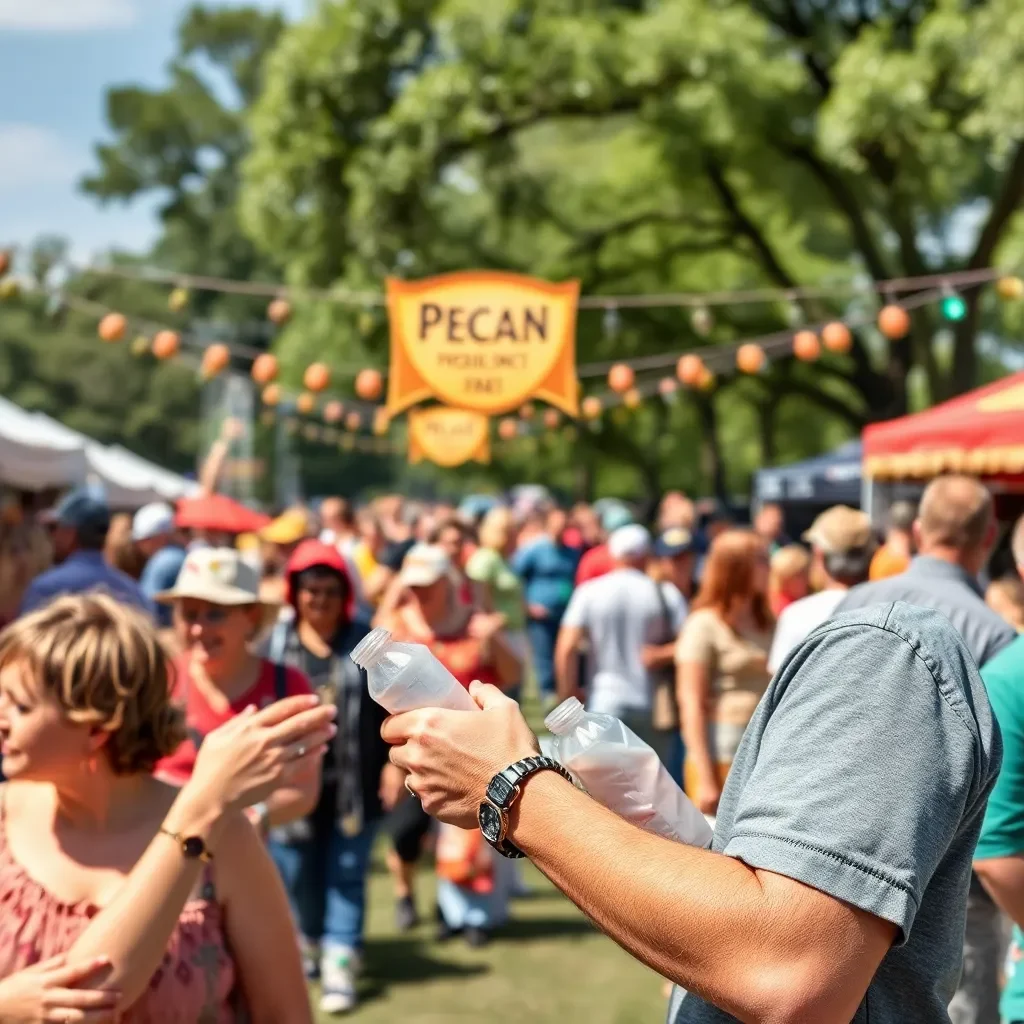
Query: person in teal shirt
[[999, 857], [547, 567]]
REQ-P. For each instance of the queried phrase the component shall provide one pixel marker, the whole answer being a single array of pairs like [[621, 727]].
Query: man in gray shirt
[[836, 887], [954, 534]]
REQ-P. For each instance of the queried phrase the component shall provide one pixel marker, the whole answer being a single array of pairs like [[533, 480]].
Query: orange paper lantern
[[1009, 288], [507, 429], [317, 377], [689, 370], [591, 407], [353, 421], [837, 337], [750, 358], [305, 403], [621, 378], [632, 398], [215, 359], [177, 300], [667, 387], [369, 384], [806, 346], [279, 311], [551, 419], [272, 394], [527, 411], [333, 411], [894, 322], [264, 368], [113, 326], [707, 380], [166, 344]]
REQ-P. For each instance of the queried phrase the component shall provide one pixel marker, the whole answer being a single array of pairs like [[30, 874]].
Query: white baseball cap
[[424, 565], [632, 541], [153, 520]]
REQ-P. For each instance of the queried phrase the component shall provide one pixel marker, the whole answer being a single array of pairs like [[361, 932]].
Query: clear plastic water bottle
[[624, 774], [406, 677]]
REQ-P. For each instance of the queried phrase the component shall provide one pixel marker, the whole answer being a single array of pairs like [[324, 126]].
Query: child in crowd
[[790, 577]]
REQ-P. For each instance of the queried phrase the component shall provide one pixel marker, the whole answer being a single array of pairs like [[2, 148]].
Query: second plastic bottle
[[624, 774], [407, 677]]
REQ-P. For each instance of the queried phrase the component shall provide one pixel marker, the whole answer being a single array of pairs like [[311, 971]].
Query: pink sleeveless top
[[195, 983]]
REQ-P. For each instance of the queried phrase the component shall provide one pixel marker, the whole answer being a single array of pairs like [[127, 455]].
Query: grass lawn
[[547, 965]]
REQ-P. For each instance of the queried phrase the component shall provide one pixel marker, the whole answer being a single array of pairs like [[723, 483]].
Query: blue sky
[[57, 57]]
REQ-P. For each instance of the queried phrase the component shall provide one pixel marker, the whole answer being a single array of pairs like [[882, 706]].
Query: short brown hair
[[956, 512], [105, 665]]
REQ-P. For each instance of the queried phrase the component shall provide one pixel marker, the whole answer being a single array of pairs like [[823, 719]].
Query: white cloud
[[65, 15], [31, 155]]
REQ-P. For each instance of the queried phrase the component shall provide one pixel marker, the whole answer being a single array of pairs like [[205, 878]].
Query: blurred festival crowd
[[137, 655]]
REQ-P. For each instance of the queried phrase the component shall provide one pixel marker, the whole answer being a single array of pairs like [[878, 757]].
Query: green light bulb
[[954, 308]]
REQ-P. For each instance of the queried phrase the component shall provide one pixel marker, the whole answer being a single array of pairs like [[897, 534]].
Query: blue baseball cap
[[614, 516], [673, 542], [84, 509]]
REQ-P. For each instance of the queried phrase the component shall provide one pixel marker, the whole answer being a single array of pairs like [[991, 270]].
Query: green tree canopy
[[684, 145]]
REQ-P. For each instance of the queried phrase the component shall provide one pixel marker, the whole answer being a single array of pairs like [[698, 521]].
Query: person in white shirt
[[843, 544], [620, 615]]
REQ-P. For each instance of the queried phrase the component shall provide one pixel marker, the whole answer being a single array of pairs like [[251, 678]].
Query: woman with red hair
[[722, 660]]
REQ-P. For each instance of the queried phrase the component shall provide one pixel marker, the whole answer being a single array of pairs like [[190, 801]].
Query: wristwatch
[[502, 793], [192, 847]]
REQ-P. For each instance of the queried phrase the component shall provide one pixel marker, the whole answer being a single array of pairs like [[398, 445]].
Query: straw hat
[[219, 576]]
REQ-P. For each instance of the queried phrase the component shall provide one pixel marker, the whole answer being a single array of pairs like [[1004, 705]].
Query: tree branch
[[1003, 208], [839, 189], [744, 225]]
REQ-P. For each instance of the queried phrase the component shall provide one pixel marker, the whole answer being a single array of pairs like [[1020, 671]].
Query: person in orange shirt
[[893, 557]]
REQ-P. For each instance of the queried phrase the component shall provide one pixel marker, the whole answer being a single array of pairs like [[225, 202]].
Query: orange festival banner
[[482, 340], [448, 437]]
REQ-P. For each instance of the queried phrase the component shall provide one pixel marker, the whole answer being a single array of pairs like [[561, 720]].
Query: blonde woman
[[488, 567], [169, 894]]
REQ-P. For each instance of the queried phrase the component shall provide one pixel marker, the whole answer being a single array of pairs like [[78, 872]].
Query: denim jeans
[[543, 633], [325, 877]]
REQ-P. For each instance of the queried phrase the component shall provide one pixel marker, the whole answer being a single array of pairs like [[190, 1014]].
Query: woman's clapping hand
[[243, 761]]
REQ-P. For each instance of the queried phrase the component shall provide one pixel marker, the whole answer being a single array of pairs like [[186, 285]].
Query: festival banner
[[448, 437], [482, 340]]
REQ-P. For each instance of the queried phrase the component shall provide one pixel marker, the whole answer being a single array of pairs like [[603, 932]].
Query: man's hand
[[451, 756]]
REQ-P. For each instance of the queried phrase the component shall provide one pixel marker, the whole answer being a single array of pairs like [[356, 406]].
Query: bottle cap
[[565, 717]]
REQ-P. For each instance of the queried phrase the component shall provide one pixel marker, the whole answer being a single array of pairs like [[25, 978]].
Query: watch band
[[506, 787]]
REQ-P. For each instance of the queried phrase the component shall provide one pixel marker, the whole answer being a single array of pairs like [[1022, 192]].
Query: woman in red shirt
[[471, 646], [218, 613]]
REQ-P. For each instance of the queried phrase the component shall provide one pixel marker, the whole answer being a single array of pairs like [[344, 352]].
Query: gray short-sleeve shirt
[[864, 773]]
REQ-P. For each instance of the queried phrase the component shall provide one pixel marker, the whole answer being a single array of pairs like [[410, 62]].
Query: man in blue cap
[[79, 526]]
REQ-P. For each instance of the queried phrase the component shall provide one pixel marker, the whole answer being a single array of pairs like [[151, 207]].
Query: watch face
[[490, 823], [193, 847], [500, 790]]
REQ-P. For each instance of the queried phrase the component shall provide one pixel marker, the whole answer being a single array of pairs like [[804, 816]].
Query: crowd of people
[[160, 686]]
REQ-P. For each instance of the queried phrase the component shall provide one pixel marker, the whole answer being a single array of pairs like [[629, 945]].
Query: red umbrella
[[218, 512]]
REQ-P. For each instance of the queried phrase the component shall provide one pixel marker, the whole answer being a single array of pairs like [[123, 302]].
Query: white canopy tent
[[37, 453]]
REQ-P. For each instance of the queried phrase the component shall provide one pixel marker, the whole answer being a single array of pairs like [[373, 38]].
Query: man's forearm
[[703, 920], [566, 672]]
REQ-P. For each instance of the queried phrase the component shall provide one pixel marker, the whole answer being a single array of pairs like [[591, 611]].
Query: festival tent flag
[[981, 433], [448, 437], [484, 341]]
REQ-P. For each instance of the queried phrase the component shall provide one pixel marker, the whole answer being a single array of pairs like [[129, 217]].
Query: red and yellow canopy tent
[[981, 433]]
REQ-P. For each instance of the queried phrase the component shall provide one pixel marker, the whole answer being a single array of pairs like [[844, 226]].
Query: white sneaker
[[338, 970]]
